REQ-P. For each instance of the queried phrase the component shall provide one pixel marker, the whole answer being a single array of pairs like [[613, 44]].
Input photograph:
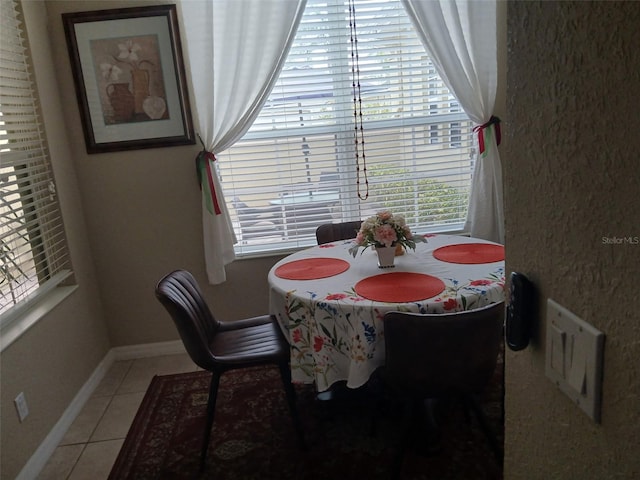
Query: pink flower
[[336, 296], [480, 282], [385, 234], [385, 215], [327, 245]]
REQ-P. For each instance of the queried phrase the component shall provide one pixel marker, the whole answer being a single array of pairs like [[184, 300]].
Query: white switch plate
[[21, 406], [574, 358]]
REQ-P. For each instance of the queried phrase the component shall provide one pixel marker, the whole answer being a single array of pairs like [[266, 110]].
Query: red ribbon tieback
[[480, 129], [203, 167]]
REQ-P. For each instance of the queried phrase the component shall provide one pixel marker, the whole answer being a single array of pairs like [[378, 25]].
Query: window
[[433, 133], [456, 135], [296, 167], [33, 249]]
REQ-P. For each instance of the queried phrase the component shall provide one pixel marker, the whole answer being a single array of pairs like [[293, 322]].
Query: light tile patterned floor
[[91, 445]]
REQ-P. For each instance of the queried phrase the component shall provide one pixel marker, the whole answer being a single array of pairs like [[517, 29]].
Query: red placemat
[[399, 287], [470, 253], [311, 268]]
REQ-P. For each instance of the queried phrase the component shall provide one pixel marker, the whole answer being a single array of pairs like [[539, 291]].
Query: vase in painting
[[140, 88], [122, 102]]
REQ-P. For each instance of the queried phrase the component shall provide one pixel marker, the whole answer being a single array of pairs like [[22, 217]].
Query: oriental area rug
[[353, 436]]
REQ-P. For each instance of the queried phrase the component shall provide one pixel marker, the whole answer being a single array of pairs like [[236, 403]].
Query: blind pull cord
[[358, 134]]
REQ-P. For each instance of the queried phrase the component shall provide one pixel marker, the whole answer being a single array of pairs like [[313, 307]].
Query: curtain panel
[[233, 68], [461, 38]]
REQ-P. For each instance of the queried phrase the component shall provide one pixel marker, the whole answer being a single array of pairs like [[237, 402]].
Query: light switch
[[558, 338], [574, 358], [578, 371]]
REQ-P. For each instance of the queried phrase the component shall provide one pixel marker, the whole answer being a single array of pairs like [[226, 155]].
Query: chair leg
[[285, 374], [433, 433], [409, 415], [376, 405], [211, 410], [485, 427]]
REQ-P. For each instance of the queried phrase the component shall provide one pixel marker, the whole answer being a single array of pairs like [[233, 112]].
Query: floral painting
[[129, 78]]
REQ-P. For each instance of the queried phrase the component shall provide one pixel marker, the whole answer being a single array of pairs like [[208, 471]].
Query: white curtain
[[461, 38], [235, 51]]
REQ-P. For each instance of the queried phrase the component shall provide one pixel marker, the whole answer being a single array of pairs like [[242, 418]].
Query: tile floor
[[91, 445]]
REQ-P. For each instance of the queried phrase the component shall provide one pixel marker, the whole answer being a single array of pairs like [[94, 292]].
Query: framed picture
[[129, 78]]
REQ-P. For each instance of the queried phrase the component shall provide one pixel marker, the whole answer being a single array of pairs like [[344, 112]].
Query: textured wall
[[571, 178]]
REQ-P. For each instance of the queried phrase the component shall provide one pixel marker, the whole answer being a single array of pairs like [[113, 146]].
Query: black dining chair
[[219, 346], [332, 232], [438, 356]]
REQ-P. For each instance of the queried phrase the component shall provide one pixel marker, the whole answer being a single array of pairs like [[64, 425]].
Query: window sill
[[14, 330]]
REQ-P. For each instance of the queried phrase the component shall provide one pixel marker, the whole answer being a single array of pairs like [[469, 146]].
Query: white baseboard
[[131, 352], [41, 456]]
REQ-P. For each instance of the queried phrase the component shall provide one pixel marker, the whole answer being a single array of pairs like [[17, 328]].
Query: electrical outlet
[[21, 406]]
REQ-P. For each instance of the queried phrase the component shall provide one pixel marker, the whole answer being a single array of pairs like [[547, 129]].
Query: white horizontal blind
[[296, 166], [33, 247]]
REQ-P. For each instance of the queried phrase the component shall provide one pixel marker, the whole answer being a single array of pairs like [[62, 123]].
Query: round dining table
[[330, 304]]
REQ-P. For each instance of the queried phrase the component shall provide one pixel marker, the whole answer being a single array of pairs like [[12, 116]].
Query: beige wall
[[53, 359], [144, 219], [572, 177]]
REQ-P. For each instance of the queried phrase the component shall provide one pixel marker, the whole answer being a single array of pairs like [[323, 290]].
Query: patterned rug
[[253, 435]]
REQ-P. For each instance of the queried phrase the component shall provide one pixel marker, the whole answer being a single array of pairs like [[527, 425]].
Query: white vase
[[386, 256]]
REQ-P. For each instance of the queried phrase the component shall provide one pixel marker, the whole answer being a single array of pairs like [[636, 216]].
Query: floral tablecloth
[[336, 334]]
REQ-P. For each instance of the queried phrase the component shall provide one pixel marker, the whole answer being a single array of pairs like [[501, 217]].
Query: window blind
[[33, 247], [297, 166]]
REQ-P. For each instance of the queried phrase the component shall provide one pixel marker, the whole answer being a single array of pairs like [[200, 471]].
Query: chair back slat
[[180, 294]]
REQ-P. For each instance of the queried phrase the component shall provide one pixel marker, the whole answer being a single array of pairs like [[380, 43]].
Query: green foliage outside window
[[430, 201]]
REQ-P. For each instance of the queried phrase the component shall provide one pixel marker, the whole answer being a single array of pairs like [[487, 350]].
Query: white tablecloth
[[336, 334]]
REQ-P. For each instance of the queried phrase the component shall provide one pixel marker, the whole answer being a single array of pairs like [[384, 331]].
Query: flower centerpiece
[[385, 229]]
